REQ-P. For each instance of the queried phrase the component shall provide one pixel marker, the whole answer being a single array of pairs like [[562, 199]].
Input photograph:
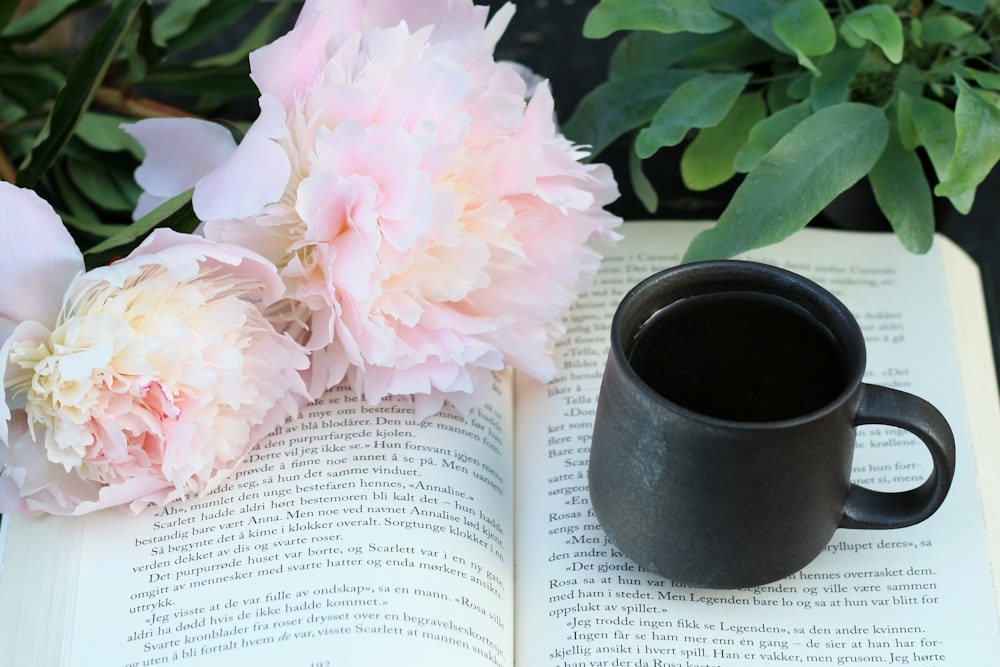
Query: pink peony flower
[[135, 383], [430, 224], [171, 167]]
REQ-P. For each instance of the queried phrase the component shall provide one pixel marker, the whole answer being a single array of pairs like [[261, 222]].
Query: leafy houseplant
[[805, 98]]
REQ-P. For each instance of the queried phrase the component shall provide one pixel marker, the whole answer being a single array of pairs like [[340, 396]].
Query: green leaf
[[641, 186], [856, 41], [944, 29], [708, 160], [799, 86], [916, 29], [972, 45], [644, 50], [880, 25], [211, 22], [7, 11], [838, 69], [820, 158], [101, 186], [230, 81], [909, 79], [977, 142], [666, 16], [176, 213], [766, 133], [214, 86], [142, 50], [615, 107], [904, 196], [73, 207], [31, 84], [697, 103], [731, 49], [990, 80], [905, 123], [264, 32], [757, 17], [970, 6], [924, 122], [87, 226], [734, 49], [33, 23], [84, 78], [177, 17], [805, 27], [11, 111], [104, 132], [788, 91], [933, 125]]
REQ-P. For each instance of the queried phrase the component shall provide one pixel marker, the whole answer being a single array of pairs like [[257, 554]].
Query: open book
[[358, 536]]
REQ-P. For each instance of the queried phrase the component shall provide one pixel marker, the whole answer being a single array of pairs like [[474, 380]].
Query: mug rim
[[717, 275]]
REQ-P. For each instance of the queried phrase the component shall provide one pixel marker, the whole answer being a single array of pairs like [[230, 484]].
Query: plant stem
[[7, 170], [138, 107]]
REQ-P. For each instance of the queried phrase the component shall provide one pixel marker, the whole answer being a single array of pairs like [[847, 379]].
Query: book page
[[922, 595], [38, 587], [982, 395], [354, 535]]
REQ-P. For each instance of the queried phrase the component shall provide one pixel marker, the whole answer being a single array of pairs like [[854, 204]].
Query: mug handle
[[866, 508]]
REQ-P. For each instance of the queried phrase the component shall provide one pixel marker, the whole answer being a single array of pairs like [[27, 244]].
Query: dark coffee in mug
[[740, 355], [724, 437]]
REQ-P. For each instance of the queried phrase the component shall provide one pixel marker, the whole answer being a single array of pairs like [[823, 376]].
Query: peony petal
[[170, 248], [146, 204], [6, 340], [38, 257], [430, 225], [460, 23], [161, 375], [253, 176], [498, 25], [38, 484], [538, 116], [179, 151], [291, 64]]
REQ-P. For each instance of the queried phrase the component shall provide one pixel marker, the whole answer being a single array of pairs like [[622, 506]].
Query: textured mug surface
[[726, 502]]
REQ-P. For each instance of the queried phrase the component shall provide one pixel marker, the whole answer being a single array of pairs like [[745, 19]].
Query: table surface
[[547, 36]]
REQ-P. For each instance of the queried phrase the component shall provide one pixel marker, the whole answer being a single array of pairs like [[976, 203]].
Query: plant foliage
[[803, 98], [61, 104]]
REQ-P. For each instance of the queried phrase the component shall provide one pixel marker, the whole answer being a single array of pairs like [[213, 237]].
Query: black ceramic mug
[[725, 427]]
